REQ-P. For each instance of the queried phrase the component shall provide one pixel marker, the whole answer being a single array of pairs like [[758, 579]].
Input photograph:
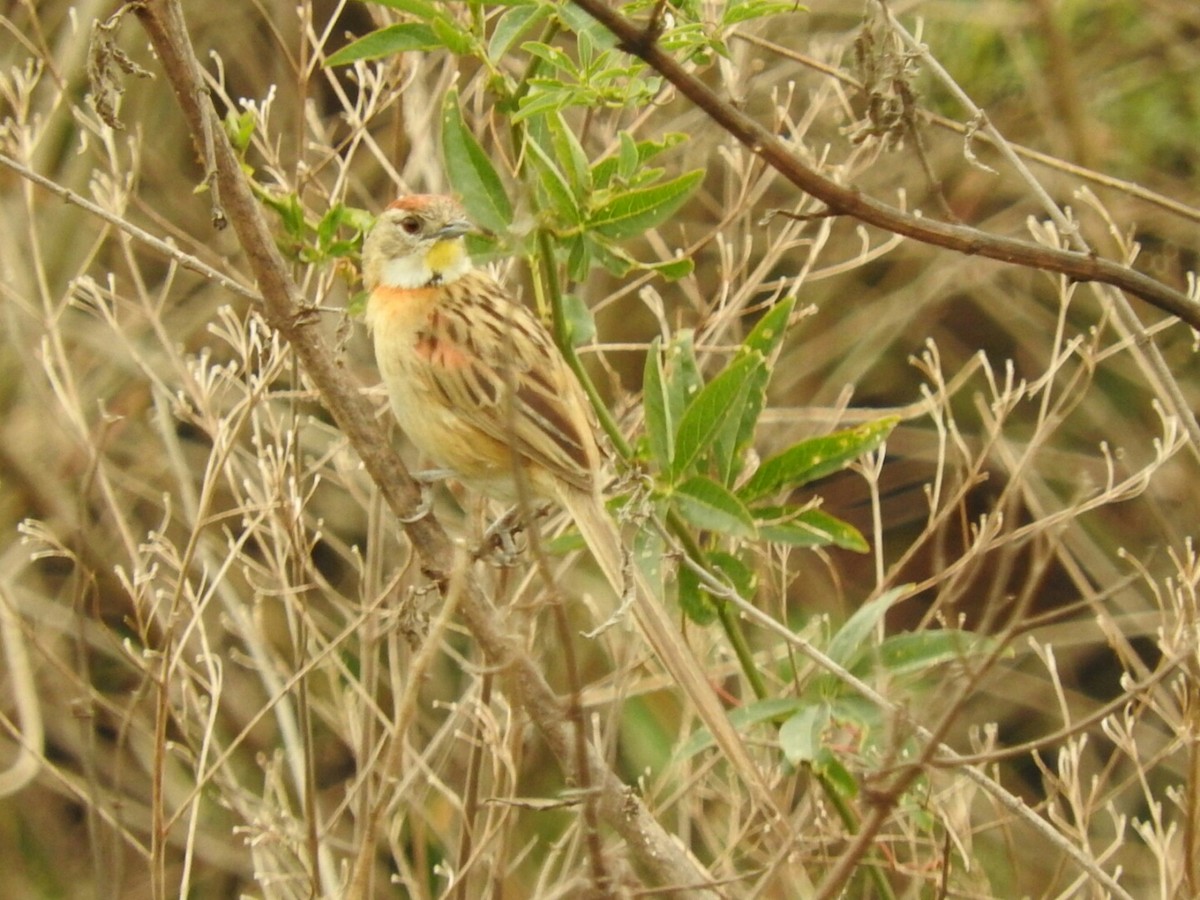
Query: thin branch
[[167, 249], [620, 808], [851, 202]]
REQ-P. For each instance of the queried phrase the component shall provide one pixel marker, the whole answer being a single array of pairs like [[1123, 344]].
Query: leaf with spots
[[815, 458]]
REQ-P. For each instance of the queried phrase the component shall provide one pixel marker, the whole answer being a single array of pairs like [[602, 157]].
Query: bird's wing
[[496, 363]]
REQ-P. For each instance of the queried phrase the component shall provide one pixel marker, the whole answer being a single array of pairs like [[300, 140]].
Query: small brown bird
[[478, 385]]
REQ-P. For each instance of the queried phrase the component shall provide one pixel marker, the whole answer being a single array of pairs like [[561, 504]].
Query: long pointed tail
[[601, 535]]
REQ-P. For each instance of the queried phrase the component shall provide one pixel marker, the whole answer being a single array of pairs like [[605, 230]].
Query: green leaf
[[579, 257], [852, 639], [697, 604], [736, 12], [581, 326], [612, 258], [670, 381], [540, 102], [554, 184], [734, 569], [578, 20], [682, 372], [633, 212], [356, 306], [836, 775], [570, 155], [511, 25], [730, 444], [815, 458], [767, 334], [453, 38], [672, 269], [800, 527], [631, 166], [240, 128], [916, 652], [470, 171], [764, 339], [386, 42], [800, 737], [628, 157], [656, 404], [743, 718], [709, 412], [422, 9], [708, 505], [650, 556], [697, 601]]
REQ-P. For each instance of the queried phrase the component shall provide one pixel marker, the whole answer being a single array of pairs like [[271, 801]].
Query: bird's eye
[[410, 224]]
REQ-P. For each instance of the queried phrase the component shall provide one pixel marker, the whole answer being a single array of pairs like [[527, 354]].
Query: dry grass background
[[204, 600]]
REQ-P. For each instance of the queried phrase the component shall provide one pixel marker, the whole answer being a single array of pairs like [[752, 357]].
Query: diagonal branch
[[662, 857], [848, 201]]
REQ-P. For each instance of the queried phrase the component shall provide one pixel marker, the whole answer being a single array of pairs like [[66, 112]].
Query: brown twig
[[850, 202], [284, 310]]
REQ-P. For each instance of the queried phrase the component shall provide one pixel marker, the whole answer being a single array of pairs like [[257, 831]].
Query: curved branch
[[283, 306], [847, 201]]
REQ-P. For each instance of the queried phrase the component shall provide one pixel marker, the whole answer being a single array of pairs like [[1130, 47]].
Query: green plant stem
[[725, 610], [882, 889], [551, 296]]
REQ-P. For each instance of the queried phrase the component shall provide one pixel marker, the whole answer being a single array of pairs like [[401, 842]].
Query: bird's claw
[[500, 540], [423, 506]]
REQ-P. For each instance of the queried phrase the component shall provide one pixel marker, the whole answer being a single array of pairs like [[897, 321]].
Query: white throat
[[445, 262]]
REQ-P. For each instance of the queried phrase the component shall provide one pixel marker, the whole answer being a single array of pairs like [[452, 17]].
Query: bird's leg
[[424, 479], [500, 540]]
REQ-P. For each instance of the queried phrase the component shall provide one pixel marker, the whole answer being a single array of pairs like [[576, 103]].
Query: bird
[[479, 387]]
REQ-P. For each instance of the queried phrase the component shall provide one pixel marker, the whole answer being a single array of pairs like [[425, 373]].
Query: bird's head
[[417, 242]]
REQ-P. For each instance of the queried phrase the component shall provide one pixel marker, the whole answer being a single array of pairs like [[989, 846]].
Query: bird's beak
[[455, 229]]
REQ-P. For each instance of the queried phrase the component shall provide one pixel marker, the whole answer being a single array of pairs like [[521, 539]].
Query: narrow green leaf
[[656, 404], [730, 444], [708, 505], [581, 325], [328, 226], [633, 212], [682, 373], [511, 25], [554, 184], [578, 21], [453, 38], [800, 737], [650, 556], [807, 528], [579, 258], [697, 604], [538, 102], [628, 157], [764, 338], [852, 639], [470, 171], [815, 458], [767, 333], [836, 775], [756, 9], [743, 719], [386, 42], [632, 166], [613, 258], [734, 569], [672, 269], [570, 155], [916, 652], [709, 412], [422, 9]]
